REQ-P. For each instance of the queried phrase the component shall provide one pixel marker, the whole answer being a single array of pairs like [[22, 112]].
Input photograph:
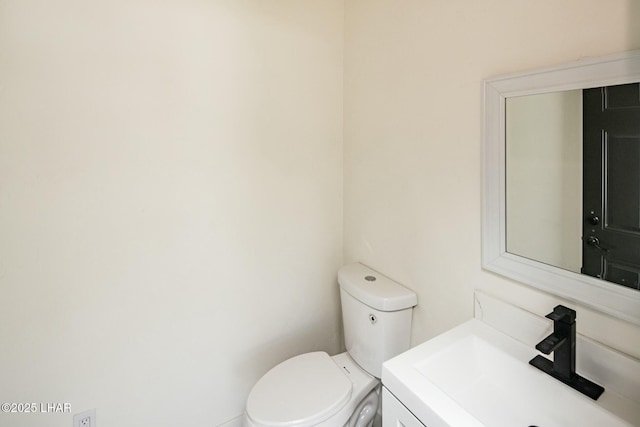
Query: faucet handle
[[562, 314], [550, 343]]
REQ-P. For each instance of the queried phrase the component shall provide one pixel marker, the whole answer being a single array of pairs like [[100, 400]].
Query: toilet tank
[[376, 313]]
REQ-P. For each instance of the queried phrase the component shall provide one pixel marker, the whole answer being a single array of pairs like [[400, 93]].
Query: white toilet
[[315, 389]]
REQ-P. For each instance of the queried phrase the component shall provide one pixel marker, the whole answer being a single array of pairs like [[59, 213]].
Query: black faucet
[[562, 342]]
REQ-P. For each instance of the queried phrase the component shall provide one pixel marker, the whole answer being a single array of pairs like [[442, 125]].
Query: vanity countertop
[[474, 375]]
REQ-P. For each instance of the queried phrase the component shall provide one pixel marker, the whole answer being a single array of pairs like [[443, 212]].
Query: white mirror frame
[[615, 300]]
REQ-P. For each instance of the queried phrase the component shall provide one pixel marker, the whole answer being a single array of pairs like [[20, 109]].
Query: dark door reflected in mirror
[[573, 181], [611, 199]]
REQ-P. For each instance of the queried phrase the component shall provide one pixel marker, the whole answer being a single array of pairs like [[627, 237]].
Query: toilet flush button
[[370, 278]]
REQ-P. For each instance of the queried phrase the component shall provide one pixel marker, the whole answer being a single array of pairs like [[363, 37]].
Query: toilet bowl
[[315, 389]]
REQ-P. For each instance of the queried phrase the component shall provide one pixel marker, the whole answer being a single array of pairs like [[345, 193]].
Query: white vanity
[[476, 375], [395, 413]]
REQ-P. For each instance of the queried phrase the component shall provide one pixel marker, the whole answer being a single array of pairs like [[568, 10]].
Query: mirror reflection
[[573, 180]]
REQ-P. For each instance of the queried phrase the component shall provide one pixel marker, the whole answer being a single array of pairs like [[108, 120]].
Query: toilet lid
[[303, 390]]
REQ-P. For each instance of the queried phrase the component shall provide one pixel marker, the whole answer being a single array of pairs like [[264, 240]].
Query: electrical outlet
[[85, 419]]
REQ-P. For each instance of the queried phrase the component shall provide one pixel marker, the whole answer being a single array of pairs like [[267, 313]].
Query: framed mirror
[[536, 190]]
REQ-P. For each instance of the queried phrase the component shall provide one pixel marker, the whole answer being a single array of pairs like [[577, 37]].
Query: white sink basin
[[474, 376]]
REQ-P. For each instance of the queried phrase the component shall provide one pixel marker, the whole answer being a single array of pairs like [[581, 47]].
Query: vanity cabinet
[[395, 414]]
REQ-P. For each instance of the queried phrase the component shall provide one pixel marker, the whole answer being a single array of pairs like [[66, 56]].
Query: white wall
[[170, 202], [171, 184], [413, 138]]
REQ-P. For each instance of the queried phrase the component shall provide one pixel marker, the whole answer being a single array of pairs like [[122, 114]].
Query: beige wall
[[413, 137], [170, 202], [544, 175], [171, 183]]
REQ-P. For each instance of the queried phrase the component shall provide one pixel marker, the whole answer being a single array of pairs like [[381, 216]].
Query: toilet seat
[[301, 391]]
